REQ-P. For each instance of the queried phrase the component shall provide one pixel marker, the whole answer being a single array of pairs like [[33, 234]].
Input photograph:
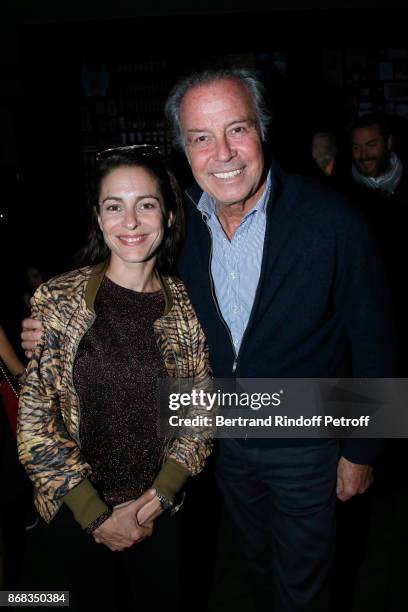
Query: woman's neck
[[141, 277]]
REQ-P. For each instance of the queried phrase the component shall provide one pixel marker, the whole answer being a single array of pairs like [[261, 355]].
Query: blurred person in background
[[324, 151], [15, 489]]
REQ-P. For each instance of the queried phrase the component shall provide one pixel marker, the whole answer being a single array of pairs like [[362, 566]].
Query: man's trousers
[[282, 503]]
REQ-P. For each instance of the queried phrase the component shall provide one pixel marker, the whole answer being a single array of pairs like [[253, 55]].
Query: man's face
[[222, 141], [370, 151]]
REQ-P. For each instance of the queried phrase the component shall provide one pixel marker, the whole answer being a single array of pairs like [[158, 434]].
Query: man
[[375, 165], [324, 151], [380, 188], [286, 283], [379, 180]]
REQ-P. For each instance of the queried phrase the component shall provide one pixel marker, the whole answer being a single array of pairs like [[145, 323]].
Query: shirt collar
[[206, 204]]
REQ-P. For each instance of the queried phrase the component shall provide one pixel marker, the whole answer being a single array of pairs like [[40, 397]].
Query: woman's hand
[[150, 510], [122, 529]]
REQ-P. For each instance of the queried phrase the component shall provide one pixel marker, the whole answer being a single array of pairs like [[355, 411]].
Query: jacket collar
[[194, 193], [96, 277]]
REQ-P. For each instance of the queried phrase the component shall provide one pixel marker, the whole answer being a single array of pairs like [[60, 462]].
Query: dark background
[[321, 63], [43, 48]]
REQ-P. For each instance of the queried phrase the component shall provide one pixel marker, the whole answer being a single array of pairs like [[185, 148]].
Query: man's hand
[[151, 510], [352, 478], [30, 335], [122, 530]]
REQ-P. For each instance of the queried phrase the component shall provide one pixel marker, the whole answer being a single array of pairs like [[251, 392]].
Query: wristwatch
[[166, 504]]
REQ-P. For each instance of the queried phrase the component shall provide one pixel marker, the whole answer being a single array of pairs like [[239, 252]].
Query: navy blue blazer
[[322, 307]]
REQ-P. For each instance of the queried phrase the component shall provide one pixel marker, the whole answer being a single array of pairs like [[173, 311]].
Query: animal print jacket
[[49, 415]]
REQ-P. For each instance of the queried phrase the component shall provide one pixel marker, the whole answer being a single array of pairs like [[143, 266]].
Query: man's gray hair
[[248, 78]]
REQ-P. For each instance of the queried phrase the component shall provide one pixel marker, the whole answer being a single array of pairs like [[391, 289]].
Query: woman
[[12, 372], [9, 356], [87, 422], [15, 496]]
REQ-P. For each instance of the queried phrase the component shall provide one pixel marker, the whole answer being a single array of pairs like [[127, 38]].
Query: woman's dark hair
[[95, 250]]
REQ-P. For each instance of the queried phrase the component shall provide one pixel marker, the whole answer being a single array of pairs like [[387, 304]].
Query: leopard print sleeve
[[49, 454]]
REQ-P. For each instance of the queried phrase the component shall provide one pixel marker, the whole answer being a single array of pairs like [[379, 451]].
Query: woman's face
[[130, 214]]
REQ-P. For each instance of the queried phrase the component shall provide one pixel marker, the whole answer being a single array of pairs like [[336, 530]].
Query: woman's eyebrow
[[111, 198], [139, 197]]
